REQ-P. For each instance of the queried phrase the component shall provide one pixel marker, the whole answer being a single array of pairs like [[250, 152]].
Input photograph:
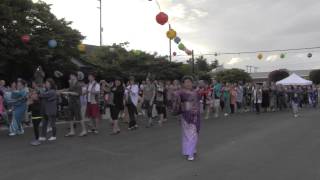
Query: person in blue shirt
[[19, 102]]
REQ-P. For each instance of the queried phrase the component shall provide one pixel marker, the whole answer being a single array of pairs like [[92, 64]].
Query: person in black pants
[[132, 94], [35, 109], [50, 109], [116, 104]]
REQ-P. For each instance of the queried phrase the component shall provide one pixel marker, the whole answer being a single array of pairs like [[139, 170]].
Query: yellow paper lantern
[[260, 56], [81, 47], [171, 34]]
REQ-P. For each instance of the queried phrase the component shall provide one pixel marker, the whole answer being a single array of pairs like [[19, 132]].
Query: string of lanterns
[[52, 43], [260, 55], [162, 18]]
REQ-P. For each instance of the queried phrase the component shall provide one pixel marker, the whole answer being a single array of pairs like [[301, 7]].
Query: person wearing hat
[[187, 103], [132, 95]]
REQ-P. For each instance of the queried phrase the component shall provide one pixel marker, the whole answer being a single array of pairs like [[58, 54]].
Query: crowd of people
[[151, 100]]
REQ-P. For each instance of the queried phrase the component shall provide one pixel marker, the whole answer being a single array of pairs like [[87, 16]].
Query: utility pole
[[192, 62], [101, 28], [170, 53]]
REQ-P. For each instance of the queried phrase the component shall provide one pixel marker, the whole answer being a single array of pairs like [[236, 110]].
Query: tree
[[115, 60], [278, 75], [233, 76], [18, 59], [203, 65], [314, 76]]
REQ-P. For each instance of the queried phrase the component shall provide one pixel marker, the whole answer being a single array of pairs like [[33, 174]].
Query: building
[[260, 77]]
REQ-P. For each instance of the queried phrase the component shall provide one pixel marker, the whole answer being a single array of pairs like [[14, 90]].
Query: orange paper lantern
[[171, 34], [81, 47]]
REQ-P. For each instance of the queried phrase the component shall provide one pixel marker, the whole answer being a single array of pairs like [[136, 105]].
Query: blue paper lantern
[[177, 40], [52, 43]]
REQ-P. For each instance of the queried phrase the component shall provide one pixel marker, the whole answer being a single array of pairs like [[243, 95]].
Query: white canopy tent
[[294, 79]]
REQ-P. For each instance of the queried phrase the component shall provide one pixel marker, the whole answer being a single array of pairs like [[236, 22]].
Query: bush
[[233, 76], [314, 76], [278, 75]]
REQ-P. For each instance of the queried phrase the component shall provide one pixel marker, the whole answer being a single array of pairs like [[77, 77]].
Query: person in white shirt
[[132, 95], [93, 111]]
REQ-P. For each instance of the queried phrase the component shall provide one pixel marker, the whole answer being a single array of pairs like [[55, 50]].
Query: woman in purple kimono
[[187, 104]]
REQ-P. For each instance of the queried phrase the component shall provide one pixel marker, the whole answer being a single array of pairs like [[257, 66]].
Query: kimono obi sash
[[187, 106]]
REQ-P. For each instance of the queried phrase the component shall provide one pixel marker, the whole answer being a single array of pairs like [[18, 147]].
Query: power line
[[268, 51], [255, 52]]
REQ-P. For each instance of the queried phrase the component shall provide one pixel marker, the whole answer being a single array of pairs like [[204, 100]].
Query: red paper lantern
[[162, 18], [174, 53], [25, 38]]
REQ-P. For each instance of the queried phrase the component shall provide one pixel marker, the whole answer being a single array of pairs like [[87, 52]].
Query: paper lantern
[[177, 40], [189, 52], [282, 56], [174, 53], [81, 47], [52, 43], [25, 38], [181, 47], [112, 49], [171, 34], [309, 55], [58, 74], [162, 18], [260, 56]]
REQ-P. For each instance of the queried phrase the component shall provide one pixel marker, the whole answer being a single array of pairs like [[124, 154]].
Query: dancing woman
[[19, 100], [116, 105], [49, 98], [187, 102]]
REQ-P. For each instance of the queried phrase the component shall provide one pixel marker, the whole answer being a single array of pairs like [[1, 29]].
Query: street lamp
[[101, 28]]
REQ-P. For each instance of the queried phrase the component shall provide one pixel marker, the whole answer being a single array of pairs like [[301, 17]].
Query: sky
[[206, 26]]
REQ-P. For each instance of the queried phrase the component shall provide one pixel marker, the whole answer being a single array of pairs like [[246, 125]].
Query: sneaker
[[91, 130], [83, 134], [20, 133], [12, 134], [190, 158], [52, 138], [296, 115], [35, 143], [42, 139], [226, 114], [70, 134], [95, 132]]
